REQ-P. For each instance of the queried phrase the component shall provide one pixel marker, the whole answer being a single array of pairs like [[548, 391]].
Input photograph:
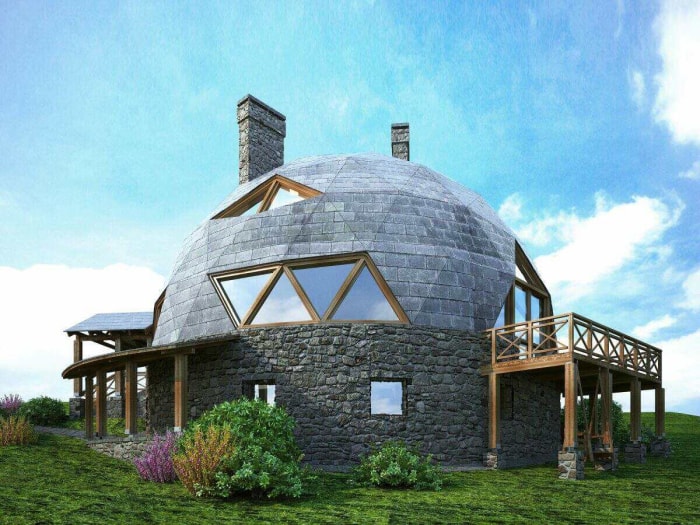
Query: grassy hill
[[60, 481]]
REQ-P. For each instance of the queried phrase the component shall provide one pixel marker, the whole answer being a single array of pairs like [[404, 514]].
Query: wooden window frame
[[264, 195], [533, 287], [360, 260]]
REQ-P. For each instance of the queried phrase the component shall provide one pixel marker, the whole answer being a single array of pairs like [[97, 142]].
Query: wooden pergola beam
[[635, 410], [131, 398], [494, 411], [77, 356], [180, 390], [606, 381], [89, 407], [569, 405], [660, 411], [101, 405]]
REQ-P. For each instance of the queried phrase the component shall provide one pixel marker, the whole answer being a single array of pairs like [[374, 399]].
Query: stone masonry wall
[[323, 373], [121, 448], [261, 138]]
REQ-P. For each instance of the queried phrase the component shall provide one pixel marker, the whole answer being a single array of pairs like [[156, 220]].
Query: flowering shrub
[[156, 464], [44, 411], [200, 454], [10, 403], [15, 430], [394, 465]]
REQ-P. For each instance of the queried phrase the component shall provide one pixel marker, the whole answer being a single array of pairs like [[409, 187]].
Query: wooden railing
[[141, 383], [573, 336]]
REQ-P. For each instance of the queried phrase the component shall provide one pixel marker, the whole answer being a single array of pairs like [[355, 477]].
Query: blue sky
[[579, 123]]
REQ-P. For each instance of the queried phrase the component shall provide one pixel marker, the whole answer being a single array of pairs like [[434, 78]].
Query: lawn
[[60, 481]]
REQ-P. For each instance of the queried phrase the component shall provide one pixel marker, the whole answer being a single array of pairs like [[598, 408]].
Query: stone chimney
[[399, 141], [261, 132]]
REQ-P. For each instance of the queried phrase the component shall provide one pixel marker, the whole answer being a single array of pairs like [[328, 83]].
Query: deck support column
[[493, 458], [131, 400], [635, 451], [570, 459], [180, 390], [101, 405], [89, 407], [660, 446], [606, 408], [77, 356]]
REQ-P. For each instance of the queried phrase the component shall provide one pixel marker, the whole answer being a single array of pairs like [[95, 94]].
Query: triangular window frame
[[360, 261], [264, 195]]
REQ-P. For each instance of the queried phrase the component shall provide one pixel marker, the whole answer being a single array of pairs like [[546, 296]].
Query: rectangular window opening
[[388, 397], [264, 390]]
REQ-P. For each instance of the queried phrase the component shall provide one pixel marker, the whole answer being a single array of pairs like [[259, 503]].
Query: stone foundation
[[606, 459], [121, 448], [635, 452], [571, 464], [660, 447], [76, 408], [493, 459]]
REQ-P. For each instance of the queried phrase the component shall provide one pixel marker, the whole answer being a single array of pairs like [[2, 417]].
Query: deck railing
[[573, 335], [111, 390]]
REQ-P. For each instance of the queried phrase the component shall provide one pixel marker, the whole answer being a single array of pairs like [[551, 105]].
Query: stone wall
[[323, 374], [121, 448]]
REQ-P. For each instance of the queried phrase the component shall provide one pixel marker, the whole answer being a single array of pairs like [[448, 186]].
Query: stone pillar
[[571, 464], [400, 135], [76, 408], [635, 452], [260, 138]]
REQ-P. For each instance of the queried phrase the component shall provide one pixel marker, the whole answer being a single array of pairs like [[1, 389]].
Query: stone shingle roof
[[444, 252], [114, 322]]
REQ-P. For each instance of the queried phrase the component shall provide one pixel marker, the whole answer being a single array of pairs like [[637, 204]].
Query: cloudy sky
[[580, 124]]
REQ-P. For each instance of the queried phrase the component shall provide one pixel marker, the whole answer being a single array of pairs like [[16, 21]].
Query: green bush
[[44, 411], [264, 459], [620, 428], [394, 465]]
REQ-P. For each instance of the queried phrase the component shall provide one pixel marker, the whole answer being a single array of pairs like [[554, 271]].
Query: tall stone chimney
[[261, 132], [399, 141]]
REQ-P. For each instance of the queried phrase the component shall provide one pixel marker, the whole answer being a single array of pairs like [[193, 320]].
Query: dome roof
[[443, 252]]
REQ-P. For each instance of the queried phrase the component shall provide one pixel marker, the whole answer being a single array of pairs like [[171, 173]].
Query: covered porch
[[587, 360]]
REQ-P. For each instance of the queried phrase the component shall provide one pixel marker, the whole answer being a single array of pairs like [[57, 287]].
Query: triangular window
[[345, 288], [273, 193]]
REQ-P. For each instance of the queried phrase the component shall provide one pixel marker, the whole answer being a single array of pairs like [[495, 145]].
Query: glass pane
[[282, 305], [365, 301], [265, 393], [284, 197], [387, 397], [519, 274], [252, 210], [321, 283], [242, 291], [520, 305], [501, 317]]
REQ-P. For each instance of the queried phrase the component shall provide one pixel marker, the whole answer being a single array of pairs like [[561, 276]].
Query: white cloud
[[677, 101], [691, 290], [638, 87], [597, 246], [692, 173], [681, 361], [648, 330], [511, 208], [38, 303]]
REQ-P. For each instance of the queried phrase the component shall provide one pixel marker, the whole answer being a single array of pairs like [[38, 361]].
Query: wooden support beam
[[118, 375], [89, 407], [569, 405], [77, 356], [635, 410], [494, 411], [101, 404], [606, 408], [660, 411], [180, 389], [131, 398]]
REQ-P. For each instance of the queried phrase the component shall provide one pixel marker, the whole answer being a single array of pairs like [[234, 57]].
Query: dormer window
[[273, 193], [347, 288]]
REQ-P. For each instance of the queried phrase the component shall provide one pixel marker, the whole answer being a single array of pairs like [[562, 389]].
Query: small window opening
[[263, 390], [388, 397]]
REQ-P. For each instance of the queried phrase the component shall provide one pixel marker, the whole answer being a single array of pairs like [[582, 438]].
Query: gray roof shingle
[[114, 322]]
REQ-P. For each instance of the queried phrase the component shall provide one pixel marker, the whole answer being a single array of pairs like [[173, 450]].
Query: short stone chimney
[[399, 141], [261, 132]]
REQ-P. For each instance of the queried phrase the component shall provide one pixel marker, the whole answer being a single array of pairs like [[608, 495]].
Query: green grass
[[59, 481]]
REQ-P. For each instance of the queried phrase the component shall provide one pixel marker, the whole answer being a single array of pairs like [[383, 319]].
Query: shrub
[[10, 403], [156, 464], [201, 452], [16, 430], [44, 411], [394, 465], [264, 459]]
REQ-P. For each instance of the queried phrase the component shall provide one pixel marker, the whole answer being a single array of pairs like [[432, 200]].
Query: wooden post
[[118, 375], [569, 405], [660, 411], [101, 405], [494, 411], [606, 408], [77, 356], [131, 399], [635, 410], [89, 407], [180, 389]]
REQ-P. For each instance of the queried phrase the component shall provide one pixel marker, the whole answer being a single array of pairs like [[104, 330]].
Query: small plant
[[16, 430], [394, 465], [200, 454], [10, 403], [156, 464], [44, 411]]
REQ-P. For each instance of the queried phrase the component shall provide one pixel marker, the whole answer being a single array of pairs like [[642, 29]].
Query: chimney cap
[[399, 125], [260, 103]]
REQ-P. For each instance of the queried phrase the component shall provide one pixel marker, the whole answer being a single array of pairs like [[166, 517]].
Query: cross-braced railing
[[111, 383], [572, 335]]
